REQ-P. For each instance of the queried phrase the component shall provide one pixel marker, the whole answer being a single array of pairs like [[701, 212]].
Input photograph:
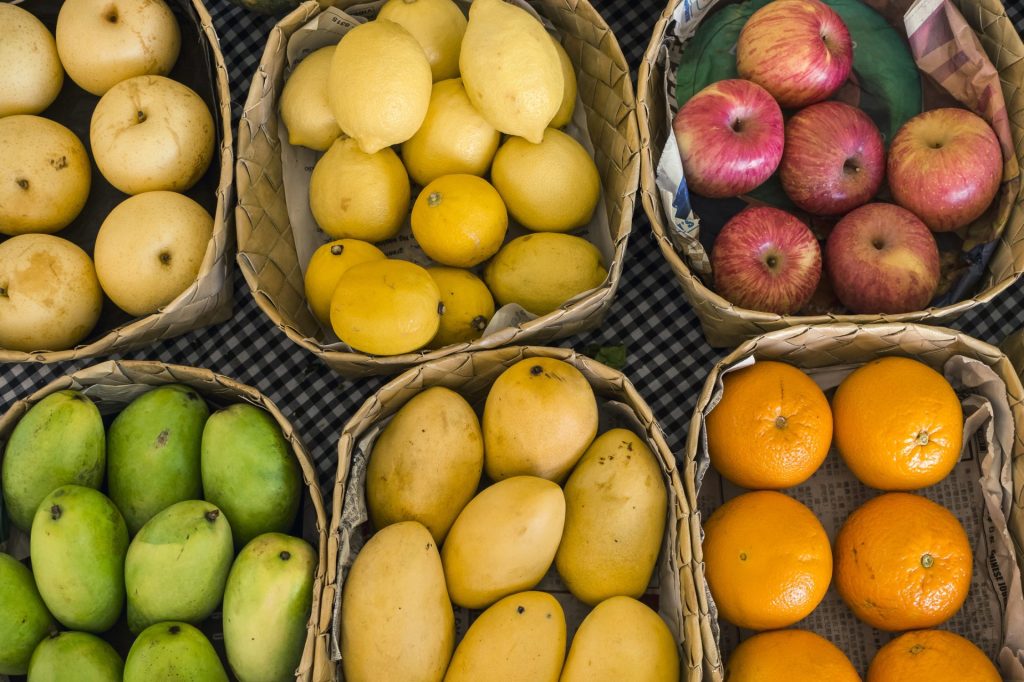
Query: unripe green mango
[[177, 565], [75, 657], [267, 603], [250, 472], [173, 651], [24, 620], [153, 453], [77, 545], [59, 441]]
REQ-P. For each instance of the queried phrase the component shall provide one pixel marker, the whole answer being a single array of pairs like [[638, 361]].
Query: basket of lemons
[[420, 178]]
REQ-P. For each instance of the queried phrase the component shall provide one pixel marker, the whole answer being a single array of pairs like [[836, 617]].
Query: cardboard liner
[[113, 384], [725, 324], [267, 254], [844, 344], [208, 300], [471, 375]]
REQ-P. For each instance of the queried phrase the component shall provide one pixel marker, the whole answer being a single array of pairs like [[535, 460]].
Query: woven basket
[[208, 299], [267, 253], [726, 324], [471, 375], [113, 384], [810, 347]]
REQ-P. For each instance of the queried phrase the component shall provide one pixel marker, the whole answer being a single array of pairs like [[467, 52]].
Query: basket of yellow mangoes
[[422, 178]]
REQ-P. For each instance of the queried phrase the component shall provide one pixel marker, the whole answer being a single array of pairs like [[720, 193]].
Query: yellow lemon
[[437, 25], [328, 264], [378, 85], [304, 107], [358, 195], [549, 187], [468, 306], [542, 271], [565, 111], [510, 68], [386, 307], [454, 137], [459, 220]]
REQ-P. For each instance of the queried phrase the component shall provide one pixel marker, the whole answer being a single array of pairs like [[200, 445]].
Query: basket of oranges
[[809, 161], [408, 190], [857, 491]]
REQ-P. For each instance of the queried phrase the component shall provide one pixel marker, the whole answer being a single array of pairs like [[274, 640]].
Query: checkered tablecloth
[[667, 357]]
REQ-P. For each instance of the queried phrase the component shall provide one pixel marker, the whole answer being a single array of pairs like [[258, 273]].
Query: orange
[[931, 656], [903, 562], [789, 656], [772, 428], [767, 560], [898, 424]]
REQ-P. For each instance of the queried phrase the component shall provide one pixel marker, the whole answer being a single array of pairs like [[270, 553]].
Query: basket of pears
[[159, 522], [423, 177]]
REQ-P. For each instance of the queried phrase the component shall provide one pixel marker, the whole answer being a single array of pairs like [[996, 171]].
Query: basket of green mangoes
[[159, 522], [511, 514]]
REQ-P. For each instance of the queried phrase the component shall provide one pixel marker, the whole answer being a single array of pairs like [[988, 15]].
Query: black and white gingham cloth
[[667, 357]]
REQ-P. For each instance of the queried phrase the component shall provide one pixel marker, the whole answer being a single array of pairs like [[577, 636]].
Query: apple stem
[[165, 258], [771, 261]]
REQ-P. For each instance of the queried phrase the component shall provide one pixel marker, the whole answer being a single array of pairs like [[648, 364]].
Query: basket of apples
[[810, 162], [116, 159]]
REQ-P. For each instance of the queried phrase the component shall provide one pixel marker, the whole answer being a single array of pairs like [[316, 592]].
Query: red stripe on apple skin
[[766, 259], [730, 137], [945, 165], [834, 160], [798, 50], [882, 259]]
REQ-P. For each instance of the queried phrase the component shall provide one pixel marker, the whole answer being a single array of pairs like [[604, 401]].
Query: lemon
[[459, 220], [511, 69], [358, 195], [379, 84], [564, 114], [468, 306], [386, 307], [328, 264], [454, 137], [542, 271], [304, 107], [437, 25], [549, 187]]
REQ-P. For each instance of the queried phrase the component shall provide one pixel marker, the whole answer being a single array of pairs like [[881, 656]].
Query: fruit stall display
[[123, 118], [492, 176], [168, 528], [540, 521], [857, 488], [810, 162]]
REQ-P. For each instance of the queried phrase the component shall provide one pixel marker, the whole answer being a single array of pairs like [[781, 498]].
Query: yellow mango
[[397, 624], [615, 507], [519, 638], [426, 464], [503, 541]]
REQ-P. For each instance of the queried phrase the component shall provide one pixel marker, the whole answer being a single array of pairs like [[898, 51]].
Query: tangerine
[[931, 656], [789, 656]]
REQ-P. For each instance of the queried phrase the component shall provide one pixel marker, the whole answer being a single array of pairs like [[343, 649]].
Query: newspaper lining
[[979, 492], [297, 165]]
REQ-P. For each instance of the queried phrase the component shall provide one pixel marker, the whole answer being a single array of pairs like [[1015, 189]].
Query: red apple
[[834, 159], [766, 259], [798, 50], [882, 259], [945, 165], [730, 138]]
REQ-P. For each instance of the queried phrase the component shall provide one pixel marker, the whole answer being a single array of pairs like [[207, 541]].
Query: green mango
[[77, 545], [153, 453], [250, 472], [24, 620], [267, 603], [171, 652], [75, 657], [59, 441], [177, 565]]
